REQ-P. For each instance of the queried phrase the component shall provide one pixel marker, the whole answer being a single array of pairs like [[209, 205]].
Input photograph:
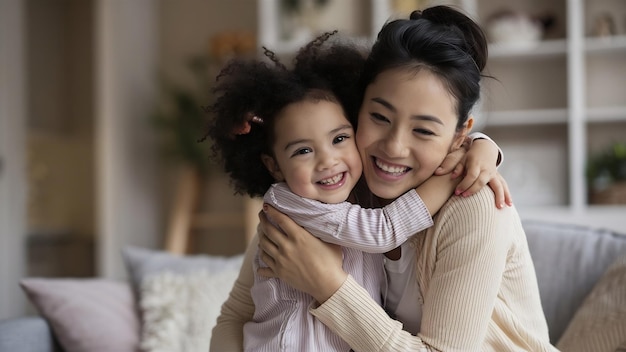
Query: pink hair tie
[[246, 127]]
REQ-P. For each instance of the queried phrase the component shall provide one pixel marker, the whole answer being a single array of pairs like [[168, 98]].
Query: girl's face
[[315, 151], [407, 126]]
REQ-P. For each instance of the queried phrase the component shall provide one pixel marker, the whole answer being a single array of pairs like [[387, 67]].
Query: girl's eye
[[340, 139], [378, 117], [302, 151]]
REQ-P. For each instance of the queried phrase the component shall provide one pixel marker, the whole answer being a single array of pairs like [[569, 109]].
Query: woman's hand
[[479, 166], [295, 256]]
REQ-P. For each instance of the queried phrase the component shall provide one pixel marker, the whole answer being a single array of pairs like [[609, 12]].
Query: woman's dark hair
[[253, 92], [440, 39]]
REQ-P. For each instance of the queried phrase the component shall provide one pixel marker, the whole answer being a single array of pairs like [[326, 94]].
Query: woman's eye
[[340, 139], [424, 132], [302, 151], [379, 117]]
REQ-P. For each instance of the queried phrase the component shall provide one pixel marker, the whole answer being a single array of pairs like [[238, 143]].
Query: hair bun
[[416, 15]]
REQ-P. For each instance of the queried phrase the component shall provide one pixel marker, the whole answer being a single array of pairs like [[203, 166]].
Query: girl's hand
[[295, 256], [479, 168], [501, 190], [453, 164]]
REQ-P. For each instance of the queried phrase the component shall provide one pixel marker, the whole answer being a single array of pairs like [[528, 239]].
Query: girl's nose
[[326, 160]]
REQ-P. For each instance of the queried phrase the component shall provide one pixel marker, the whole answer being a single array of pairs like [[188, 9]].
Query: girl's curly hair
[[245, 88]]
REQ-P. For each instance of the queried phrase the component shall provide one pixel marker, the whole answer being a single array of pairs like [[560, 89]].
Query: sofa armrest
[[27, 334]]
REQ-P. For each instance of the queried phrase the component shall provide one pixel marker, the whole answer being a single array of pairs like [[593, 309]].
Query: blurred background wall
[[81, 79], [101, 105]]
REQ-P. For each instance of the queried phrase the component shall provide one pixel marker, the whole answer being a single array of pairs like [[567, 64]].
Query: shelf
[[547, 48], [601, 216], [614, 44], [550, 104], [606, 114], [526, 117]]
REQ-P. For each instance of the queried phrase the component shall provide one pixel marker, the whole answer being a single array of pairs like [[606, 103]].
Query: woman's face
[[407, 126]]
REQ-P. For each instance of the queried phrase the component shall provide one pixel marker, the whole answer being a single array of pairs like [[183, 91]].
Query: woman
[[467, 283], [387, 123]]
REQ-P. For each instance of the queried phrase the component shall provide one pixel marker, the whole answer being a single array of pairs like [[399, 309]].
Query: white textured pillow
[[180, 310], [179, 297]]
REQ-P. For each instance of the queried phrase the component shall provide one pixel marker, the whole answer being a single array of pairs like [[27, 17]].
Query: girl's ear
[[460, 135], [272, 166]]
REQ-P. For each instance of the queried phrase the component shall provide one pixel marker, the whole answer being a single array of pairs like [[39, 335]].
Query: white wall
[[12, 170], [127, 188]]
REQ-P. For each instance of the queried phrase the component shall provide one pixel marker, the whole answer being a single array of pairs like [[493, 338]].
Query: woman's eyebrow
[[427, 118], [388, 105], [384, 103]]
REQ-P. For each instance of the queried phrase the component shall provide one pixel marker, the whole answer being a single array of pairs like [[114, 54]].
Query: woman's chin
[[386, 192]]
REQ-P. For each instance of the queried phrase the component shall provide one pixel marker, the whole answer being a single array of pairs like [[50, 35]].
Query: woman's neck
[[383, 202], [363, 196]]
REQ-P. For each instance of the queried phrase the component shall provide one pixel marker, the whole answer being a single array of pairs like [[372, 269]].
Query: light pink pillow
[[87, 314]]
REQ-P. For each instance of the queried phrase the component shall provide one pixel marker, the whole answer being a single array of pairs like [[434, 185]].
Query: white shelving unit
[[556, 103], [550, 106]]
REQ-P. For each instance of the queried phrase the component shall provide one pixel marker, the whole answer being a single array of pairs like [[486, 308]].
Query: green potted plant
[[606, 175], [181, 120]]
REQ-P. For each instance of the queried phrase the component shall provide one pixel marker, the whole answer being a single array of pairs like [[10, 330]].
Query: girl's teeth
[[332, 180], [396, 170]]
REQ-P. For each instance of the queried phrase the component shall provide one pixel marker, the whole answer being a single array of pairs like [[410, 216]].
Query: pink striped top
[[281, 319]]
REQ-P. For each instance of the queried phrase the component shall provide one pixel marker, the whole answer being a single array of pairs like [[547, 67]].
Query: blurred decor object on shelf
[[406, 7], [516, 28], [604, 25], [606, 174], [229, 44], [299, 20]]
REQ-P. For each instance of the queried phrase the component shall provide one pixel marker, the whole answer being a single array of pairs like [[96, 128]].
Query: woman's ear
[[461, 134], [272, 166]]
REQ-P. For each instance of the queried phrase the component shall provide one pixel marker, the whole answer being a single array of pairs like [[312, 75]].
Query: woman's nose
[[395, 146]]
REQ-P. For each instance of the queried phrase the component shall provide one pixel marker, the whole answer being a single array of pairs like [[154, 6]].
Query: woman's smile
[[389, 169]]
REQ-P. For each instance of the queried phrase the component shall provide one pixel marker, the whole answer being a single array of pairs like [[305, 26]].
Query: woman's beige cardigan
[[476, 277]]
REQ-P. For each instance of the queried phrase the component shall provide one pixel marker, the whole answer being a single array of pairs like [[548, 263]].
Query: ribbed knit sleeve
[[355, 317], [227, 335], [376, 230]]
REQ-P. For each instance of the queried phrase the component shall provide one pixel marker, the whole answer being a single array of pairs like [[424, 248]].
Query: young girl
[[284, 134]]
